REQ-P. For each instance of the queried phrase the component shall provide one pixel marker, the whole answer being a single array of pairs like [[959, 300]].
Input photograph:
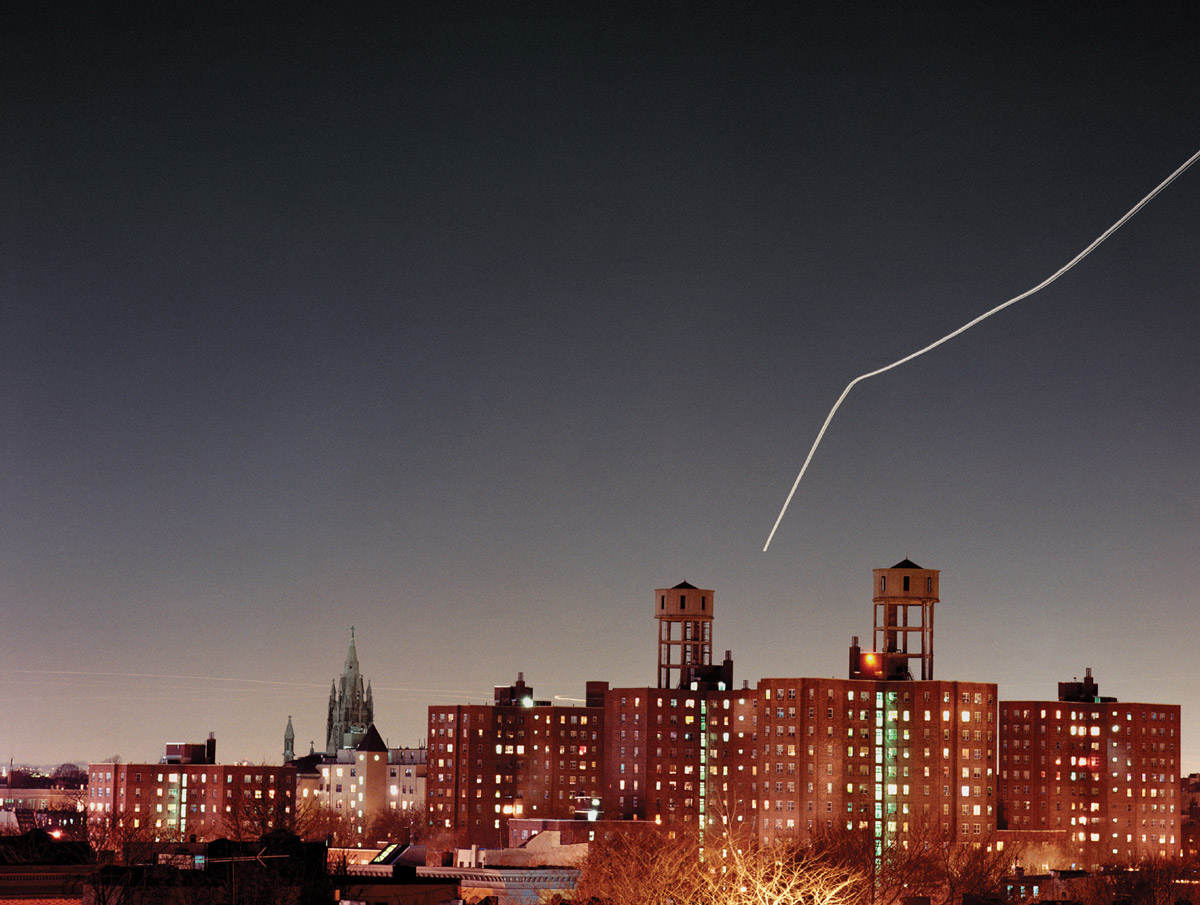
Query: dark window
[[883, 583], [682, 600], [662, 602], [906, 582], [703, 603]]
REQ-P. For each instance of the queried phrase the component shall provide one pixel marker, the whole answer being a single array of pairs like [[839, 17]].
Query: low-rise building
[[176, 800], [361, 784]]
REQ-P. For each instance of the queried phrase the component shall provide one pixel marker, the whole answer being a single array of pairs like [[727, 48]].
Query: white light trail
[[198, 681], [155, 675], [967, 326]]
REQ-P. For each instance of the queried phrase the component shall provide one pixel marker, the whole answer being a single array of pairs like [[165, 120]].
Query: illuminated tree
[[651, 865], [782, 875]]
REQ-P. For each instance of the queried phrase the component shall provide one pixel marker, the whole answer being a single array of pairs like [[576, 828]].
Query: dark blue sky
[[471, 329]]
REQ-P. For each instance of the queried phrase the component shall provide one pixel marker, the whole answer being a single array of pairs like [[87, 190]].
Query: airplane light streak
[[967, 326]]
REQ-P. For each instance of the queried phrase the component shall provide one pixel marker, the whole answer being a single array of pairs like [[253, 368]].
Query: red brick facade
[[1105, 773], [166, 802]]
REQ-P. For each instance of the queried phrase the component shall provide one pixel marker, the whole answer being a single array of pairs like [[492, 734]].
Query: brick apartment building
[[187, 794], [675, 754], [1099, 776], [676, 751], [882, 750], [1189, 800], [517, 757], [888, 756], [889, 749]]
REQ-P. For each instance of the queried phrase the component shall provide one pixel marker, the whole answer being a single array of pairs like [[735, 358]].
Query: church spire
[[351, 657], [289, 742], [351, 709], [332, 742]]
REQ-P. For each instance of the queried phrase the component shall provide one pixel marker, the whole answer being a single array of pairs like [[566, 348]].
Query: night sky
[[470, 329]]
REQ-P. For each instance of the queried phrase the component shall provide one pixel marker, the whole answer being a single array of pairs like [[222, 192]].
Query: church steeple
[[351, 657], [289, 742], [351, 707]]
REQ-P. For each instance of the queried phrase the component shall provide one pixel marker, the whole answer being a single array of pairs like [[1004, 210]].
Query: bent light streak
[[967, 326]]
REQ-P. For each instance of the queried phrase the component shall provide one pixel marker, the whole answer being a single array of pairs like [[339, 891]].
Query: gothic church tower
[[351, 707]]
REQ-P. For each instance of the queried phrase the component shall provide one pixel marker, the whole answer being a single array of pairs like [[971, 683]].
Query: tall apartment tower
[[887, 750], [685, 619], [904, 596], [1097, 778], [516, 758]]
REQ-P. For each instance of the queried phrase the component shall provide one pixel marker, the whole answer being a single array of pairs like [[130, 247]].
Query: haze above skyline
[[472, 331]]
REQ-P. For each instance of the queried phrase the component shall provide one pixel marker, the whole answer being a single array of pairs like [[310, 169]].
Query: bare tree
[[977, 869], [781, 875], [394, 825], [123, 845], [124, 836], [631, 868], [1043, 855], [1154, 881], [904, 867], [255, 813], [440, 839], [69, 776], [314, 822], [638, 867]]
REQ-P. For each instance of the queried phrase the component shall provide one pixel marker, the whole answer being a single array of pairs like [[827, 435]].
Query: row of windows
[[1161, 716], [891, 697], [905, 583]]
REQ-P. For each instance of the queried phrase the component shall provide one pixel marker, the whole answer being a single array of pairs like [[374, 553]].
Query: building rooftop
[[372, 741]]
